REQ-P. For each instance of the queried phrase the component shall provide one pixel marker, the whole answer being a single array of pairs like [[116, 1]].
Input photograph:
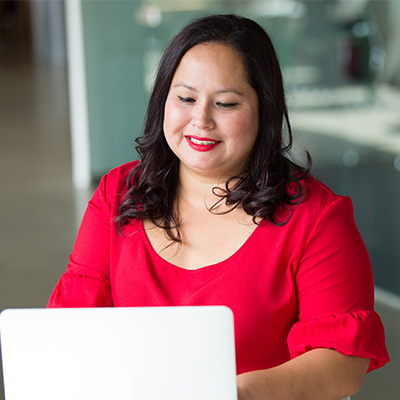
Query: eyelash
[[220, 104], [227, 105], [186, 99]]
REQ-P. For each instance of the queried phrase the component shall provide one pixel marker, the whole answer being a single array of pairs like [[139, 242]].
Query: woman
[[214, 213]]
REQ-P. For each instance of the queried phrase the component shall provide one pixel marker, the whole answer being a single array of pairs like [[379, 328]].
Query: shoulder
[[317, 194], [319, 201], [116, 179], [119, 173], [113, 185]]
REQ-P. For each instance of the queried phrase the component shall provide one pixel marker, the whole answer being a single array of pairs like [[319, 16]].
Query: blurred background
[[75, 77]]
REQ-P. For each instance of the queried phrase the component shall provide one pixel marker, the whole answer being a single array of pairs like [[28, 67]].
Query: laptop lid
[[151, 353]]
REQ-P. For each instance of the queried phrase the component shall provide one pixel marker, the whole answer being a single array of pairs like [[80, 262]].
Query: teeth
[[202, 142]]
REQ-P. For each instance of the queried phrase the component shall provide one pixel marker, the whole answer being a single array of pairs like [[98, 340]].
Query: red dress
[[304, 285]]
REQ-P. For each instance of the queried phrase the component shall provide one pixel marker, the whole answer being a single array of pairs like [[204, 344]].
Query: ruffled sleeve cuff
[[359, 334], [77, 290]]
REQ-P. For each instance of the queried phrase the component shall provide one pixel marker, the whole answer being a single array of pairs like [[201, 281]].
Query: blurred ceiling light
[[279, 8], [361, 29], [377, 58], [150, 15], [350, 158], [181, 5]]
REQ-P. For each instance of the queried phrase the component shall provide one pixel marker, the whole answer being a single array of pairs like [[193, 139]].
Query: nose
[[202, 117]]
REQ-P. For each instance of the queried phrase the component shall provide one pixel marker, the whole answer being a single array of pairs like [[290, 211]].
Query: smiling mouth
[[202, 142]]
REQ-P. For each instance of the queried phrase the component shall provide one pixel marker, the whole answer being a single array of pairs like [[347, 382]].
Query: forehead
[[208, 61]]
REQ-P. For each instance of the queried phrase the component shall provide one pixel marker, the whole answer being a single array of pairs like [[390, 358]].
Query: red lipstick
[[201, 143]]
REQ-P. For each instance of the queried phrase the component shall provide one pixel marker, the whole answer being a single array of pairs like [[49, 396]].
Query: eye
[[186, 99], [227, 105]]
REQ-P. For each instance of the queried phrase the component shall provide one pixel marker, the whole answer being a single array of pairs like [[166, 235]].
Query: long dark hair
[[263, 187]]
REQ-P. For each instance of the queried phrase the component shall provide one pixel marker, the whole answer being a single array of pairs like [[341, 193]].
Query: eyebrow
[[225, 90]]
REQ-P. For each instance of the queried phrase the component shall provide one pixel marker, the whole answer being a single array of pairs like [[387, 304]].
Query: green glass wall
[[342, 81]]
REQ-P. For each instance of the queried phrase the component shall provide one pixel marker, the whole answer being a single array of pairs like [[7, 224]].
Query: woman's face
[[211, 112]]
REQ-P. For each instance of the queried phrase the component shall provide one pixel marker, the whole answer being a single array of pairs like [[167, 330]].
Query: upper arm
[[334, 274], [86, 282], [335, 291]]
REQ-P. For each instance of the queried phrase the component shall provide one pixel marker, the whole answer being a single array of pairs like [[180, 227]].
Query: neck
[[197, 190]]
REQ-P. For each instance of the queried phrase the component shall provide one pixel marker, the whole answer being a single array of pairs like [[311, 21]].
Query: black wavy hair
[[263, 187]]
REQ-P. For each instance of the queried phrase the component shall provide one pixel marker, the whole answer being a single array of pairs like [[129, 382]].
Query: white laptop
[[152, 353]]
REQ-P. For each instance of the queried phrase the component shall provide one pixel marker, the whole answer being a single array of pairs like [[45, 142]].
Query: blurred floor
[[39, 207]]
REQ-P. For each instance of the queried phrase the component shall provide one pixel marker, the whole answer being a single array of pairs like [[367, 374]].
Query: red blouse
[[304, 285]]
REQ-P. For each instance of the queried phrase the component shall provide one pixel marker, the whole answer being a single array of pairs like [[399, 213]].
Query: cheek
[[244, 126], [166, 124], [174, 118]]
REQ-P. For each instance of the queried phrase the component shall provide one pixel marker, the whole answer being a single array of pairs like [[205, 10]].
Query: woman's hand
[[318, 374]]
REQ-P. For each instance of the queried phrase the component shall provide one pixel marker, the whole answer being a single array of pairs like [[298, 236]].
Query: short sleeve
[[359, 334], [86, 282], [335, 290]]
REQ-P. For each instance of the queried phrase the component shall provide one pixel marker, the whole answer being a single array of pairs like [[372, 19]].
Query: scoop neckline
[[206, 267]]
